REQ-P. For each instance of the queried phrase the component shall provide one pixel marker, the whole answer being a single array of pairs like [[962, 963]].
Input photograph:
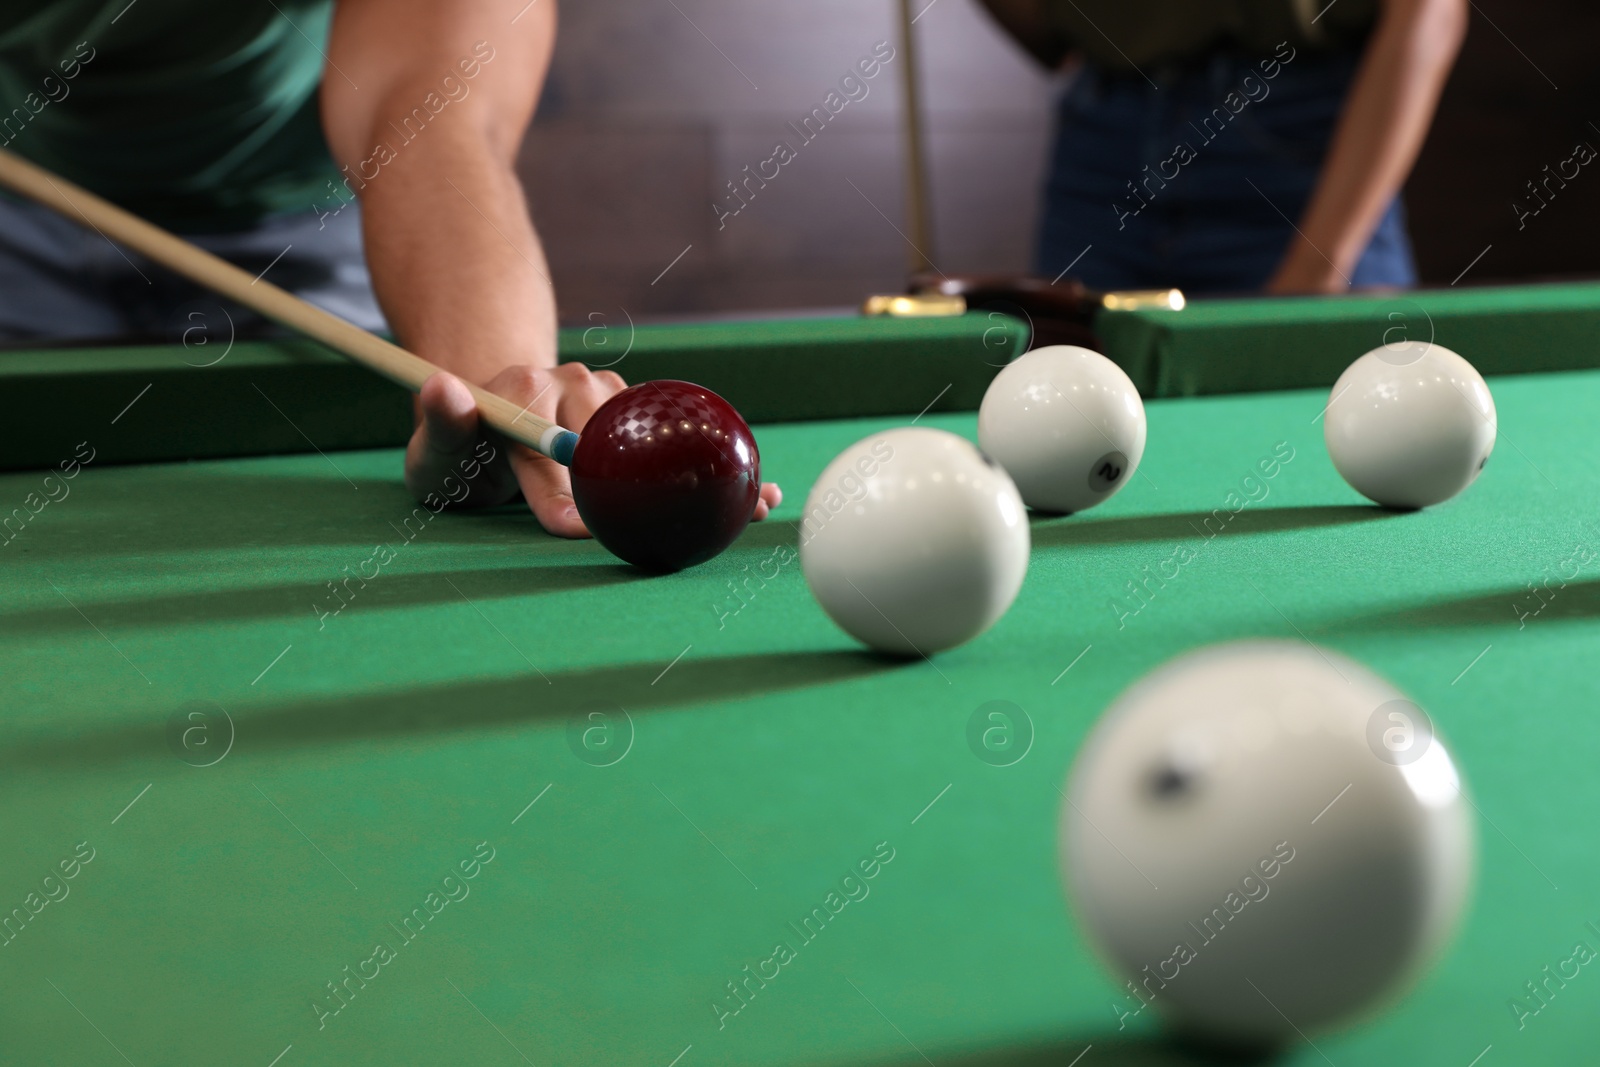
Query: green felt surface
[[1233, 346], [210, 397], [370, 754]]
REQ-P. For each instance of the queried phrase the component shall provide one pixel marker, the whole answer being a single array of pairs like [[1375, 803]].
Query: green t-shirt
[[1124, 34], [196, 114]]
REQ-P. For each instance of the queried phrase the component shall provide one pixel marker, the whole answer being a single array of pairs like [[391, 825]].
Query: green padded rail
[[170, 402], [1241, 346]]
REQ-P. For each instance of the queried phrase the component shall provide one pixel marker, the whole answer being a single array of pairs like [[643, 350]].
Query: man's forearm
[[455, 260], [1385, 120], [426, 102]]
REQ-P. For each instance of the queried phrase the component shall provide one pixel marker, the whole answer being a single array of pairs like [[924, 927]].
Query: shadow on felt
[[553, 565], [1109, 1050], [470, 705], [290, 600], [184, 508], [1188, 526], [1574, 601]]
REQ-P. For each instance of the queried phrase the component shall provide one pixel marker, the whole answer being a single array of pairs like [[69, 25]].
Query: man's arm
[[1029, 25], [1385, 119], [454, 257], [426, 103]]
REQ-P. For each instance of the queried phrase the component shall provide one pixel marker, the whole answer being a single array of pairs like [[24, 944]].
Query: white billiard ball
[[913, 541], [1262, 839], [1410, 424], [1066, 423]]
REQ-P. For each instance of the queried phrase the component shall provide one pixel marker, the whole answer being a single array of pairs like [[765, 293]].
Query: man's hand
[[449, 434], [1304, 271]]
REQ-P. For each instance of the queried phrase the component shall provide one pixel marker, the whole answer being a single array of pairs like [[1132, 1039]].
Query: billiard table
[[295, 772]]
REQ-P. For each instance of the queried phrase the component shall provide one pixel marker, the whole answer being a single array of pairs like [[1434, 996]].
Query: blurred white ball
[[1263, 837]]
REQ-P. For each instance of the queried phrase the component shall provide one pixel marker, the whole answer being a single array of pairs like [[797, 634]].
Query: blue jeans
[[61, 281], [1182, 186]]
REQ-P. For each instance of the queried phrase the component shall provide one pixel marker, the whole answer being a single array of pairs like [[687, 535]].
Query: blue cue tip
[[563, 446]]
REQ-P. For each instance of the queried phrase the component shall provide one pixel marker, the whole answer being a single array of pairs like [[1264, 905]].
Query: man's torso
[[197, 114]]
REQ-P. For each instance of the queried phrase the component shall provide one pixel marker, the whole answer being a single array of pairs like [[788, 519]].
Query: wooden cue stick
[[220, 276], [916, 165]]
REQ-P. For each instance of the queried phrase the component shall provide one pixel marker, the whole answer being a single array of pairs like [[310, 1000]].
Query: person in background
[[1235, 145], [360, 154]]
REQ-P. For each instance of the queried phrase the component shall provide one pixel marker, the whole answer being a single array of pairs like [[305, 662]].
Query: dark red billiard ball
[[666, 475]]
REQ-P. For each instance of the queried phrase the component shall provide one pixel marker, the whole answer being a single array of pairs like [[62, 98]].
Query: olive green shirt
[[197, 114], [1137, 34]]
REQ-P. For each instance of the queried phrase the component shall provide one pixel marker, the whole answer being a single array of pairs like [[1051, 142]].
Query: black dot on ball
[[1170, 783]]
